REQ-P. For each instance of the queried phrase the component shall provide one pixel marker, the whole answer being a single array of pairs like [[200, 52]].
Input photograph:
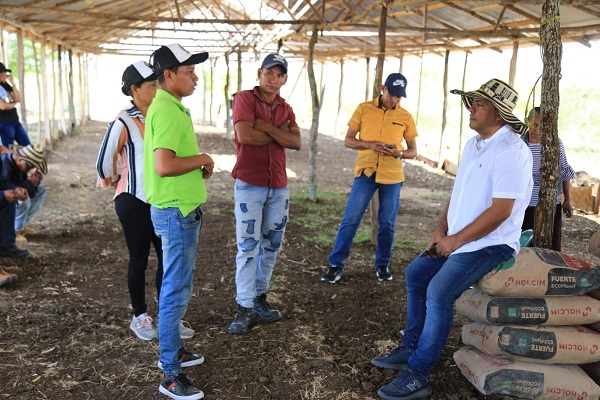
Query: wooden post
[[54, 133], [46, 106], [212, 85], [513, 64], [239, 68], [39, 85], [462, 110], [549, 173], [339, 105], [63, 127], [71, 92], [376, 92], [444, 107], [2, 43], [21, 73], [368, 78], [227, 102], [314, 126]]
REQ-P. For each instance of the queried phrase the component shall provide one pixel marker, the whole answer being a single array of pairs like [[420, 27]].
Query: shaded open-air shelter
[[70, 32]]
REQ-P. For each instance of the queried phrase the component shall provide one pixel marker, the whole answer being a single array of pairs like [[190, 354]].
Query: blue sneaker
[[408, 385], [397, 359]]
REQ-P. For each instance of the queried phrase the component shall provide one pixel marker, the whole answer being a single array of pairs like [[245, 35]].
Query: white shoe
[[186, 332], [143, 328]]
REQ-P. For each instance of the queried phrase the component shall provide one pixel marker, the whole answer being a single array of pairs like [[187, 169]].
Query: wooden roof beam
[[471, 13], [34, 32], [142, 18], [586, 10]]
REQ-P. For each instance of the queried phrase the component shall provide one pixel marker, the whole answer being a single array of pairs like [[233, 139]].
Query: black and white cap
[[174, 55], [136, 74]]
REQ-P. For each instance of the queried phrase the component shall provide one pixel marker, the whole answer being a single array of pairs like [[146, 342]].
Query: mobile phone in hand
[[389, 146], [429, 252]]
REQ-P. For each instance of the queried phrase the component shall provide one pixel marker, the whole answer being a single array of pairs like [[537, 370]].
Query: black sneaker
[[384, 273], [187, 359], [179, 388], [244, 319], [263, 310], [332, 275], [13, 251], [396, 360]]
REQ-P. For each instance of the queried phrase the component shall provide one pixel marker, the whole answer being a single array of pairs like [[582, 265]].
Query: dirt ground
[[64, 325]]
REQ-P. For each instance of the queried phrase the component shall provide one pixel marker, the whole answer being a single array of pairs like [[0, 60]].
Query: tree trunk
[[314, 126], [549, 174], [71, 91], [444, 107], [21, 73], [227, 101], [340, 95]]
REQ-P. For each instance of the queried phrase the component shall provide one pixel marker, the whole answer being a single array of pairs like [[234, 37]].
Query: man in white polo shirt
[[479, 229]]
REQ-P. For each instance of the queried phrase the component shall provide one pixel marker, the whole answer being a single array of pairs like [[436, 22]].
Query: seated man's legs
[[457, 274], [8, 235], [29, 208]]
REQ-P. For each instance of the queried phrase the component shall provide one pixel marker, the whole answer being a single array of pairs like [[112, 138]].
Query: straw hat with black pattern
[[503, 98], [34, 155]]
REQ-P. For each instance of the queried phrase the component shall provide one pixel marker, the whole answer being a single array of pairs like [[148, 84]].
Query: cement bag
[[541, 272], [498, 376], [573, 310], [538, 344]]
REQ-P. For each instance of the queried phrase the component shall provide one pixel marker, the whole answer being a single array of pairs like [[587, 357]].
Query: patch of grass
[[320, 220]]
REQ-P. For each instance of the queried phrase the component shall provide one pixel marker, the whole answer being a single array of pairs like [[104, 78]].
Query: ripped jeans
[[261, 215]]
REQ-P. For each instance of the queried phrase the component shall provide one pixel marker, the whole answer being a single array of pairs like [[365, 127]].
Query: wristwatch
[[399, 156]]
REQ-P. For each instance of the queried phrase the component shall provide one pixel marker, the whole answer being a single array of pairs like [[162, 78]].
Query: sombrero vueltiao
[[34, 155], [503, 97]]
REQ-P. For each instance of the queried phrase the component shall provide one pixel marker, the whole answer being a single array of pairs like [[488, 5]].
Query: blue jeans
[[13, 131], [432, 286], [361, 194], [28, 209], [179, 236], [261, 215]]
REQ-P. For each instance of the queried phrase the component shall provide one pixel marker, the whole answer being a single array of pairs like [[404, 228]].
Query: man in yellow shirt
[[383, 127]]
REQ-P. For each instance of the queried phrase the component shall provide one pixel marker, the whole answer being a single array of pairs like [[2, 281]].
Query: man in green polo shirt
[[174, 173]]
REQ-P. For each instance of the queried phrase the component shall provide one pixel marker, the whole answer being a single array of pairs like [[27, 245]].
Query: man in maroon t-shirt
[[265, 125]]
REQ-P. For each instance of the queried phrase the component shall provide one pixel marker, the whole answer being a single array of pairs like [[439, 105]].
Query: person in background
[[479, 229], [11, 129], [20, 176], [31, 206], [382, 126], [120, 165], [533, 138], [265, 125], [174, 174]]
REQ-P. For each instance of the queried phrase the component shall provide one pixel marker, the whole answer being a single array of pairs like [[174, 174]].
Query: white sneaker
[[143, 328], [186, 332]]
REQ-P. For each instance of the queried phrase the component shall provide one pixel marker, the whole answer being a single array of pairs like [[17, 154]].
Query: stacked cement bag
[[527, 339]]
